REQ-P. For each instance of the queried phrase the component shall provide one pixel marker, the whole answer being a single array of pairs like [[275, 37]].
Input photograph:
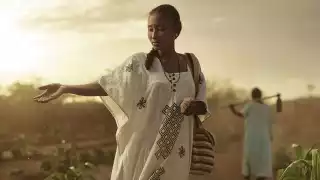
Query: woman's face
[[161, 32]]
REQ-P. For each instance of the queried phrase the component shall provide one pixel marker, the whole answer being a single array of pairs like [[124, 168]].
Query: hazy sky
[[274, 44]]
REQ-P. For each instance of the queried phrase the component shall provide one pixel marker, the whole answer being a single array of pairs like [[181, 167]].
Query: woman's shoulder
[[135, 61], [187, 53], [139, 56]]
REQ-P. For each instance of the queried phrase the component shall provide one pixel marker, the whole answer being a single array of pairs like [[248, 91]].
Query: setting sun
[[21, 51], [19, 55]]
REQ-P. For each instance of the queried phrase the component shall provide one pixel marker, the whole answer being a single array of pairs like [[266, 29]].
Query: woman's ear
[[176, 36]]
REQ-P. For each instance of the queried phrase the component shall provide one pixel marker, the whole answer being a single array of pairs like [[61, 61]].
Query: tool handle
[[244, 102]]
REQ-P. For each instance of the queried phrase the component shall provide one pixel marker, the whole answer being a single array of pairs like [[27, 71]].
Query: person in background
[[257, 151]]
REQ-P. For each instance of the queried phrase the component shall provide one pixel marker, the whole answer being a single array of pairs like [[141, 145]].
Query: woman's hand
[[185, 105], [51, 92]]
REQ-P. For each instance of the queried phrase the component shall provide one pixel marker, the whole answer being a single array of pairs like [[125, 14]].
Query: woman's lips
[[155, 43]]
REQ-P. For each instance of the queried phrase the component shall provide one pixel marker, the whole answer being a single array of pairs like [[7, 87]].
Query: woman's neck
[[169, 54]]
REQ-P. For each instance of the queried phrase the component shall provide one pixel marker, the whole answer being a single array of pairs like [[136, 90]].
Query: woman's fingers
[[184, 106], [40, 95], [42, 100], [46, 99], [53, 96], [45, 93]]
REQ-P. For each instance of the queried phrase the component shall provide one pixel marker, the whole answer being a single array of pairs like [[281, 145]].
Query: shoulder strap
[[195, 68]]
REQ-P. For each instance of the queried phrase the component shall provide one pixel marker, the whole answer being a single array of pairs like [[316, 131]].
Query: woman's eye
[[161, 29]]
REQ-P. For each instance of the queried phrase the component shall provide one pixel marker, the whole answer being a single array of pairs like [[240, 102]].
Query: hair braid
[[150, 58]]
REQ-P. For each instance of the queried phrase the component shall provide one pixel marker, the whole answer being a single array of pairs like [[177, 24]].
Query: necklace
[[171, 77]]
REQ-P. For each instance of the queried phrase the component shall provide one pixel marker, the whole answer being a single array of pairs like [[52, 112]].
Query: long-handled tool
[[278, 103]]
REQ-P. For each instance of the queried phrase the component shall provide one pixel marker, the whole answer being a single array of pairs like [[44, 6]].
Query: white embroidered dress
[[154, 140]]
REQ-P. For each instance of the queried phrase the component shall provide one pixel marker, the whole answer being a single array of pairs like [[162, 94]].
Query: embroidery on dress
[[129, 67], [111, 82], [133, 66], [169, 131], [142, 103], [182, 152], [157, 174]]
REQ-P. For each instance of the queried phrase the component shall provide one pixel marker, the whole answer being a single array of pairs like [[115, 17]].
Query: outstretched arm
[[236, 112], [54, 91], [91, 89]]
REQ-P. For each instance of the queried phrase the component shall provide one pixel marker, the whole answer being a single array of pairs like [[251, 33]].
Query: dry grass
[[299, 123]]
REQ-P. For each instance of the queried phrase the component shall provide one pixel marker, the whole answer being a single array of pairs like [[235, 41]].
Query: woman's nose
[[154, 34]]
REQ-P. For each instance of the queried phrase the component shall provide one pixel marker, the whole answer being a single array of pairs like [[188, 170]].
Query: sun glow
[[21, 51]]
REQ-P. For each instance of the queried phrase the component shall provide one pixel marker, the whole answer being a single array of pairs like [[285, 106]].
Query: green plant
[[305, 166]]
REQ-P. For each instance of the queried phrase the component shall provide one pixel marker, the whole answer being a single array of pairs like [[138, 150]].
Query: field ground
[[227, 167]]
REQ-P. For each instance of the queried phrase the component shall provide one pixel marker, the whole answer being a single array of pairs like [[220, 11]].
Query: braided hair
[[171, 13]]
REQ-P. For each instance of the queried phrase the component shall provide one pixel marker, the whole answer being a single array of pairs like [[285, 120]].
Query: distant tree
[[311, 88]]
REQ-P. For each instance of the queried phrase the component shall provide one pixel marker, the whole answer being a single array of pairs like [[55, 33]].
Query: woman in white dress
[[257, 151], [147, 96]]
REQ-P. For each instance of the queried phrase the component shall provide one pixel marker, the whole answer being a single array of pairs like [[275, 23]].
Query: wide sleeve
[[120, 84], [202, 96]]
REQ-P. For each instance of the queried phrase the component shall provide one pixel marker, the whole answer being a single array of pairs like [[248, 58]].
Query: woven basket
[[202, 161]]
